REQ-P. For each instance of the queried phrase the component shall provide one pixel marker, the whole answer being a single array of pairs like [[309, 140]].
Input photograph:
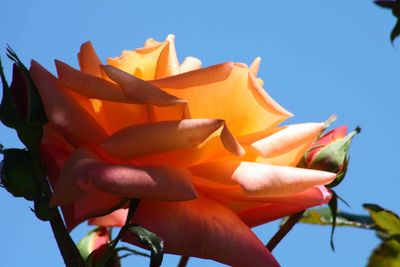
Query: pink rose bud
[[330, 153], [94, 246]]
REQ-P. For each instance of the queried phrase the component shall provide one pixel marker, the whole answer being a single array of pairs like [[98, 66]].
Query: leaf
[[386, 220], [323, 216], [151, 241], [386, 255]]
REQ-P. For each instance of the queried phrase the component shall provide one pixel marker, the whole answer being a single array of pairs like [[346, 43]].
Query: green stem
[[284, 230], [183, 261], [67, 247]]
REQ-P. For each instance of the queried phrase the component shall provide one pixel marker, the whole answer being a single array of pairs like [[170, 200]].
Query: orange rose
[[198, 146]]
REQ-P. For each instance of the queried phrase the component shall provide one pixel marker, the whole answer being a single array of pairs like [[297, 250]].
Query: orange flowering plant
[[184, 159]]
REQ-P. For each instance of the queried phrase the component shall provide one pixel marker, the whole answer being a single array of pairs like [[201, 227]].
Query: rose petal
[[288, 138], [202, 228], [233, 196], [113, 116], [151, 42], [153, 138], [262, 179], [190, 64], [68, 113], [265, 179], [140, 62], [168, 64], [116, 218], [88, 60], [85, 171], [135, 88], [91, 86], [151, 182], [255, 66], [266, 213], [249, 108]]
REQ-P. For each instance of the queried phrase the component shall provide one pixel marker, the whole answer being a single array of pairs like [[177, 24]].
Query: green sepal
[[30, 135], [42, 209], [333, 207], [151, 241], [18, 175], [342, 173], [386, 221], [334, 157]]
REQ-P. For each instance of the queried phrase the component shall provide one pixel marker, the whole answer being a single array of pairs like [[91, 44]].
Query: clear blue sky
[[319, 58]]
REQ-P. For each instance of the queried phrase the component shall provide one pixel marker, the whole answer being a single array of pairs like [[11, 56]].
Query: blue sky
[[319, 58]]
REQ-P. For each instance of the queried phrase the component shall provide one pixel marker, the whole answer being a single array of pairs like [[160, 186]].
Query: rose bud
[[94, 246], [17, 174], [330, 153], [21, 107]]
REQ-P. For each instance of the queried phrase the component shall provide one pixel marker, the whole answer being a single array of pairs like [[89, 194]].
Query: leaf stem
[[284, 230]]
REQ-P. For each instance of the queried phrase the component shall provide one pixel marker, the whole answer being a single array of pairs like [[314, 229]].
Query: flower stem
[[67, 247], [183, 261], [284, 230]]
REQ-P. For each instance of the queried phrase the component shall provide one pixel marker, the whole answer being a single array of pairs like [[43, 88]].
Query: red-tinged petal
[[54, 152], [116, 218], [168, 64], [95, 203], [190, 64], [68, 113], [263, 179], [202, 228], [288, 138], [233, 196], [88, 60], [249, 108], [152, 182], [139, 90], [326, 139], [85, 172], [153, 138], [270, 212]]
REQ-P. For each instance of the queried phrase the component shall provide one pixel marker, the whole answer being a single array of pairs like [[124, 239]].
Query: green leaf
[[323, 216], [386, 220], [386, 255], [150, 241]]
